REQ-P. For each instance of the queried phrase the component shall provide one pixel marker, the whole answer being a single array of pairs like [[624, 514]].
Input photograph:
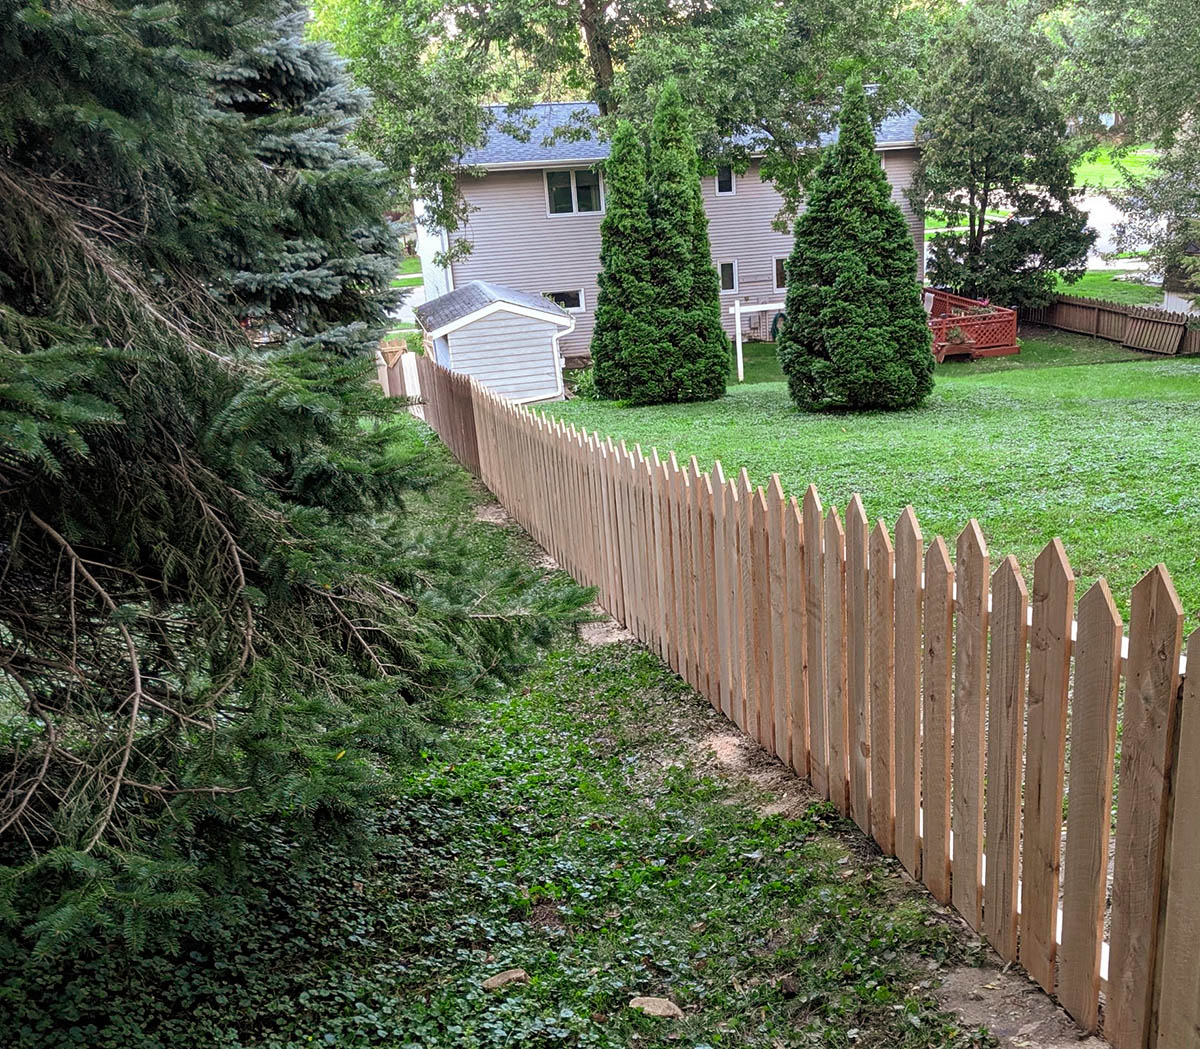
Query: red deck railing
[[986, 330]]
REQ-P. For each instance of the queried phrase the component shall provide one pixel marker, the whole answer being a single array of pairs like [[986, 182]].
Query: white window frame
[[574, 193], [734, 264], [783, 259], [582, 307], [717, 190]]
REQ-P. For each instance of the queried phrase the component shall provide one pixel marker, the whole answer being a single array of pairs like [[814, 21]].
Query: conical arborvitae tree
[[626, 294], [687, 357], [855, 334]]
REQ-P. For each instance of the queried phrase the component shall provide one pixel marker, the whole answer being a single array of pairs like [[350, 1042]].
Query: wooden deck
[[970, 328]]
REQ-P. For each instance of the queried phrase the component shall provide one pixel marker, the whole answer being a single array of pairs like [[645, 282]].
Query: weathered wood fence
[[929, 696], [1138, 327]]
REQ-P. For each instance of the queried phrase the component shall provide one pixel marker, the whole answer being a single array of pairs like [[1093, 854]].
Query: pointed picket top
[[775, 488], [1051, 565], [1157, 587], [761, 498], [655, 461], [1008, 576], [833, 524], [856, 516], [718, 474], [812, 501], [744, 481], [694, 465], [971, 543], [908, 528], [937, 559], [673, 463], [1098, 604], [880, 538]]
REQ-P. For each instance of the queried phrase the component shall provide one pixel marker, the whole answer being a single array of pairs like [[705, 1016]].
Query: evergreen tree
[[626, 294], [855, 334], [213, 618], [686, 359]]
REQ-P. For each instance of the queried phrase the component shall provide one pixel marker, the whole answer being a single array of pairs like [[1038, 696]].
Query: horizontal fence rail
[[1138, 327], [938, 701]]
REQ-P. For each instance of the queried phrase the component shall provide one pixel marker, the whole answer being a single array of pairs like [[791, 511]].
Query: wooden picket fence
[[930, 697], [1138, 327]]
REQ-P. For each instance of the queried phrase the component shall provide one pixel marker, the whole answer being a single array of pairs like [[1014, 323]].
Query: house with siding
[[536, 203]]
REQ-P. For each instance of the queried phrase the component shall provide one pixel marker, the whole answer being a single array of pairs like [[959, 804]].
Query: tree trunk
[[600, 60]]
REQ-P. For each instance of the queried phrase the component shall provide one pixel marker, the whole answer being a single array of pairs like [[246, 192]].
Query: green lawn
[[1103, 284], [935, 221], [410, 264], [1107, 457], [1100, 170]]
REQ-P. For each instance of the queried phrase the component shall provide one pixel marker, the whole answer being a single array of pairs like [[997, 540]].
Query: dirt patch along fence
[[1138, 327], [931, 697]]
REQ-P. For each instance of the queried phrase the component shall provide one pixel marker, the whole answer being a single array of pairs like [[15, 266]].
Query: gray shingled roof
[[463, 301], [555, 130]]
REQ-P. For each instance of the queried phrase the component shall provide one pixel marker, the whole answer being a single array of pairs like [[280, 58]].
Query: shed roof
[[559, 132], [471, 298]]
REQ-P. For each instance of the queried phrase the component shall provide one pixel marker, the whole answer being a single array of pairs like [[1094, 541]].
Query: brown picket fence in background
[[1138, 327], [930, 697]]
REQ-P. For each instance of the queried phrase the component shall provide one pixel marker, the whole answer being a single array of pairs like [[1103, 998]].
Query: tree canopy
[[995, 159]]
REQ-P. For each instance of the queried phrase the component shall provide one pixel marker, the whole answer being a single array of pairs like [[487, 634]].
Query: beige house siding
[[508, 353], [514, 241]]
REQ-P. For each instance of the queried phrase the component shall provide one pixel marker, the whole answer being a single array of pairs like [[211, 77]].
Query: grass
[[410, 264], [1104, 284], [575, 830], [935, 221], [1105, 457], [1101, 170]]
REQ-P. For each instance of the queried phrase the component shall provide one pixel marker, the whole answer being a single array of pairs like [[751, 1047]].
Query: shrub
[[855, 335]]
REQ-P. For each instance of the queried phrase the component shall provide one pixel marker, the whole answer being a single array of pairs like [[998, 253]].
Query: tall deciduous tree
[[1141, 59], [756, 72], [994, 159], [686, 357], [855, 334], [626, 294]]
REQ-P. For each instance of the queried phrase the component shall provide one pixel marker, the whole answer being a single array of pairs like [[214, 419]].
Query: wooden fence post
[[798, 635], [781, 680], [814, 615]]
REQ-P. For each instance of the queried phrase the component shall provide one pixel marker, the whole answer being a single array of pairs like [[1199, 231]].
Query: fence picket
[[798, 635], [737, 633], [1049, 679], [709, 642], [694, 589], [837, 723], [907, 690], [1148, 726], [1089, 798], [749, 672], [882, 699], [970, 710], [1006, 719], [781, 699], [814, 641], [722, 543], [763, 656], [1179, 995], [938, 691], [858, 696]]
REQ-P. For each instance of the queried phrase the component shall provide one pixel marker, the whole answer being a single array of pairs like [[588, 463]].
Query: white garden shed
[[505, 338]]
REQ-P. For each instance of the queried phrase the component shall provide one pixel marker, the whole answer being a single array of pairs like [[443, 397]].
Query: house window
[[780, 274], [729, 275], [571, 301], [726, 181], [573, 192]]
